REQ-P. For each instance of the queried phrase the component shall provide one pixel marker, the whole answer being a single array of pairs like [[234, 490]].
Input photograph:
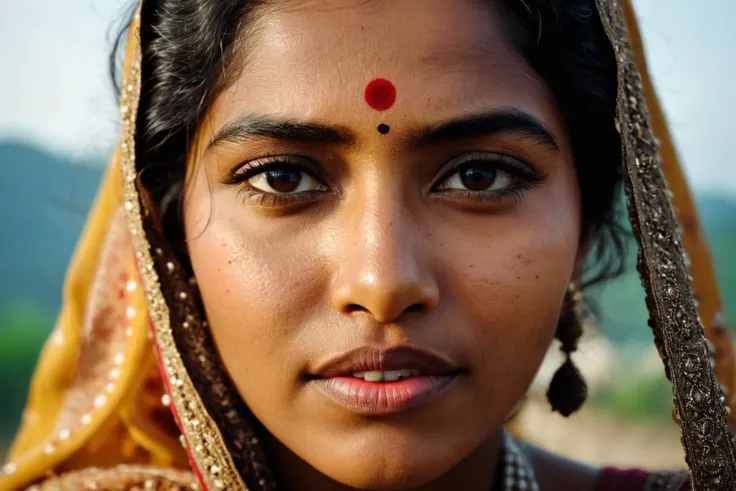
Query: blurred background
[[58, 126]]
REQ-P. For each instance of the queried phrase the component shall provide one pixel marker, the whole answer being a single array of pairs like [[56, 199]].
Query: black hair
[[564, 42], [189, 45]]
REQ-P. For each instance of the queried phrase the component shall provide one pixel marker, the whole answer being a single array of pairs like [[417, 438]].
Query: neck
[[477, 472]]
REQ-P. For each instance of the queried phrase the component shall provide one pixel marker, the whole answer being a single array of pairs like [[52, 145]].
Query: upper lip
[[366, 359]]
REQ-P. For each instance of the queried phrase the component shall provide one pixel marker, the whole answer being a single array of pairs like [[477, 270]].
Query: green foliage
[[23, 332], [623, 312], [642, 396], [723, 249]]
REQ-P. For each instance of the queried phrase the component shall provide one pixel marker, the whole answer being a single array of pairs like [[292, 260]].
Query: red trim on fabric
[[613, 479], [172, 408], [165, 378]]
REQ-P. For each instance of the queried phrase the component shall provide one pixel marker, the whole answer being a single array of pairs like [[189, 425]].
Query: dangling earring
[[568, 390]]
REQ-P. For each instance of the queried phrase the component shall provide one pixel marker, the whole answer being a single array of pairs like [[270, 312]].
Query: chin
[[384, 458], [402, 451], [384, 471]]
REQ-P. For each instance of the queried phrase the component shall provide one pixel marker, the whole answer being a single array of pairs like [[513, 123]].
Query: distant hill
[[44, 198], [623, 310], [719, 213]]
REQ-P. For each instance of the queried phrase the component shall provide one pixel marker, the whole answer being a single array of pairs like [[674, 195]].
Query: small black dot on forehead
[[383, 128]]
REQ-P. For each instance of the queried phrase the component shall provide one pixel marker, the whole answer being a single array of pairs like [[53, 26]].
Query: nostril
[[353, 307]]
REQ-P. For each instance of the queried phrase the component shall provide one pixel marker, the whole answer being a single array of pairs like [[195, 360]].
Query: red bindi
[[380, 94]]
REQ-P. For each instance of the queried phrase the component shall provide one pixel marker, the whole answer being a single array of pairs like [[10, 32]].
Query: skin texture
[[375, 255]]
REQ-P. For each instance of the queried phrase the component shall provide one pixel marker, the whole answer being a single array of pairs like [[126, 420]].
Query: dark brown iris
[[477, 178], [284, 180]]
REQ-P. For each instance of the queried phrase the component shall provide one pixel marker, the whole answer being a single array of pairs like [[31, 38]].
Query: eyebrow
[[252, 127], [486, 124]]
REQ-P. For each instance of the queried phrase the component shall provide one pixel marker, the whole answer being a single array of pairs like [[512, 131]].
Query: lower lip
[[380, 398]]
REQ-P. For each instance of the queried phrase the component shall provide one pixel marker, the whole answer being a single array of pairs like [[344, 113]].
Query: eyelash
[[242, 174], [523, 174]]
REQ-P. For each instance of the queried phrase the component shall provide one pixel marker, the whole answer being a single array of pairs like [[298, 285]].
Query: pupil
[[477, 178], [284, 180]]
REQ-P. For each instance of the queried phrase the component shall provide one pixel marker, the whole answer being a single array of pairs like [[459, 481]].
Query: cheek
[[509, 280], [519, 279], [256, 290]]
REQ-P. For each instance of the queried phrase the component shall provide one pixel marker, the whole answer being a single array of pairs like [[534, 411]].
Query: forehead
[[314, 58]]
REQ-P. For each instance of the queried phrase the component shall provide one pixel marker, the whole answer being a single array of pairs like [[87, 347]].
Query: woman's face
[[444, 245]]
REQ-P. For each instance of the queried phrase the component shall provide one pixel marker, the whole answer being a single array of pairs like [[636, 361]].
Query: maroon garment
[[613, 479]]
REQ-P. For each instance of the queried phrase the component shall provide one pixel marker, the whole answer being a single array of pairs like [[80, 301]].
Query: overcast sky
[[54, 87]]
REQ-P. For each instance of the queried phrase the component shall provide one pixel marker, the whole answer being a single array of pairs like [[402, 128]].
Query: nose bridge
[[379, 222], [384, 240], [383, 271]]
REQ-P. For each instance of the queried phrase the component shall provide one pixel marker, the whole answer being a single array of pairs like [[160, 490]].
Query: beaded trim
[[121, 477], [662, 264], [209, 455]]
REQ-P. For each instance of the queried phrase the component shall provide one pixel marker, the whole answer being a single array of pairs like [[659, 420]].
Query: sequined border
[[679, 334], [199, 431], [131, 477]]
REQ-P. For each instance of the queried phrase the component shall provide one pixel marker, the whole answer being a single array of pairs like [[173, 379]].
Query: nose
[[384, 271]]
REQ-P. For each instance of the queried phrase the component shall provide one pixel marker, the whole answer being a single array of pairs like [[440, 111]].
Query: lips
[[372, 381], [368, 359]]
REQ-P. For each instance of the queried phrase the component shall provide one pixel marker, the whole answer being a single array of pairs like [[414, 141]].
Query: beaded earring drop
[[567, 390]]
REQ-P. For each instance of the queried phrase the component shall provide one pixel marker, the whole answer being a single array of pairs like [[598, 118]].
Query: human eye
[[487, 177], [277, 180]]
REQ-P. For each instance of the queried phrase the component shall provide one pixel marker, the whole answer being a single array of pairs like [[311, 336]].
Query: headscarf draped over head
[[129, 390]]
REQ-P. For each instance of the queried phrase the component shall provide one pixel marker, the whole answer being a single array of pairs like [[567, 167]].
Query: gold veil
[[129, 379]]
